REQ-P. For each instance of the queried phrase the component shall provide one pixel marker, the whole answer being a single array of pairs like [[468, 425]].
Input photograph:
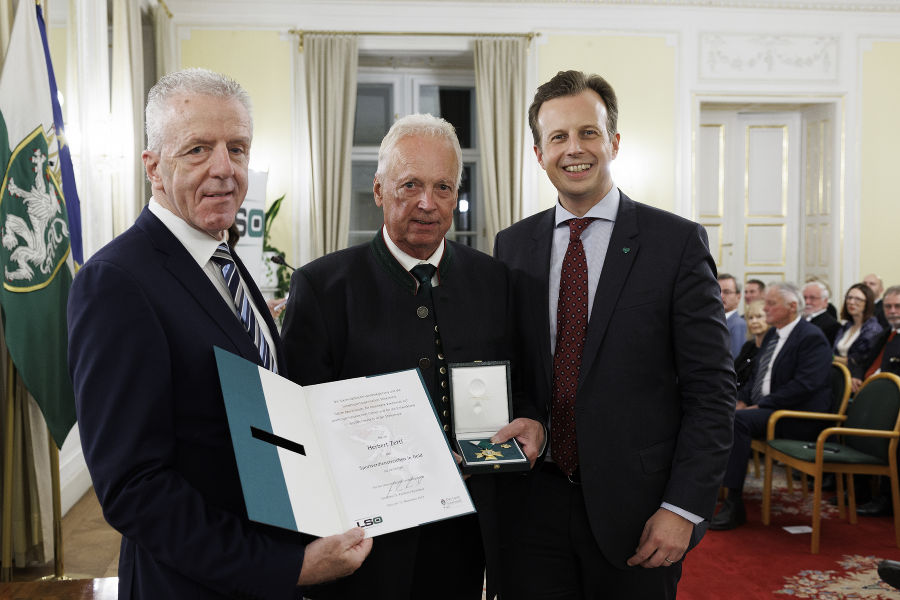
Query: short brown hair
[[572, 83]]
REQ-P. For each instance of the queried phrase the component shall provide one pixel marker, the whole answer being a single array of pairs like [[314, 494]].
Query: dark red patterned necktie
[[571, 329]]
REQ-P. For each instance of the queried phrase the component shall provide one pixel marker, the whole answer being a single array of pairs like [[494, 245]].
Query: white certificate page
[[390, 462]]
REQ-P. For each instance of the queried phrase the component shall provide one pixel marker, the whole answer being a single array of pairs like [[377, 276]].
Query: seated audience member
[[753, 290], [756, 331], [731, 297], [884, 357], [857, 335], [877, 286], [792, 371], [815, 296]]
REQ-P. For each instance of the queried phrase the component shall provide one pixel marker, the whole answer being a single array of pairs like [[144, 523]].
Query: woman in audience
[[756, 331], [855, 338]]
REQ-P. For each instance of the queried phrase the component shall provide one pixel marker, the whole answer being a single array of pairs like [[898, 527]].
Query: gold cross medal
[[487, 450]]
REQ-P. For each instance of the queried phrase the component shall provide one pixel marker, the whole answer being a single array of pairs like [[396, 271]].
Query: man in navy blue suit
[[144, 315], [790, 371], [632, 372]]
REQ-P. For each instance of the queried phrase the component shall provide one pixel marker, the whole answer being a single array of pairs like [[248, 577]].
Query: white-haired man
[[144, 315], [407, 299], [815, 297], [797, 380]]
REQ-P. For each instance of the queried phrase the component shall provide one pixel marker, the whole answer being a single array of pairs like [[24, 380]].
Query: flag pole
[[58, 563], [8, 470]]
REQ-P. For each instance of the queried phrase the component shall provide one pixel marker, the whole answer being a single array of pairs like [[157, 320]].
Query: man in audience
[[639, 432], [731, 298], [144, 315], [753, 290], [409, 299], [791, 371], [815, 296], [876, 284]]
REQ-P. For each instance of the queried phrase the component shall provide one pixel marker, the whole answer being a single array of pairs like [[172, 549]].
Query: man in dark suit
[[876, 284], [737, 326], [815, 300], [791, 371], [753, 290], [144, 315], [408, 299], [623, 328]]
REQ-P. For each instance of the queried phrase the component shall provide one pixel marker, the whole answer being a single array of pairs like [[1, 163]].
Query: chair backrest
[[840, 388], [875, 406]]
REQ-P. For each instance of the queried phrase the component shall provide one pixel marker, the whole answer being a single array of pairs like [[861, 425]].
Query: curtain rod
[[165, 7], [300, 33]]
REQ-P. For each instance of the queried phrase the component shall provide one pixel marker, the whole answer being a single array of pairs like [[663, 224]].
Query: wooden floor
[[90, 545]]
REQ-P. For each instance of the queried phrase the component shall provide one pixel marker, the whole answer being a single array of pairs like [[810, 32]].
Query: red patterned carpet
[[756, 562]]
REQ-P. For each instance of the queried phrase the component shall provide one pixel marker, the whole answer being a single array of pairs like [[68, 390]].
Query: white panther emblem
[[47, 229]]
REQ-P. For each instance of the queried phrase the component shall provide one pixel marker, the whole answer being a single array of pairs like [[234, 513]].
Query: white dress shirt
[[201, 247]]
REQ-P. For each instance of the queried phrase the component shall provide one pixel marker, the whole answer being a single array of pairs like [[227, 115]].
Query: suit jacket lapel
[[542, 238], [620, 255], [185, 270]]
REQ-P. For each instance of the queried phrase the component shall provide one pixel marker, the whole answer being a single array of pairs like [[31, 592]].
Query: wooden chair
[[840, 393], [870, 428]]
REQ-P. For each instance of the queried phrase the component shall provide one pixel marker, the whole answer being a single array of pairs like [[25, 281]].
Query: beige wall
[[880, 200], [645, 86], [261, 62]]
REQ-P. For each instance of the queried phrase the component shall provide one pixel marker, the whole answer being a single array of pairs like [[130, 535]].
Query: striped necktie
[[222, 257], [764, 358]]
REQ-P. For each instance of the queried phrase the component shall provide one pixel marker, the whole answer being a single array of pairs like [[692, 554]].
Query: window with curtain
[[384, 95]]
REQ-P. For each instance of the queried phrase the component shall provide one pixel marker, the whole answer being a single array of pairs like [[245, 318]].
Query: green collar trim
[[395, 270]]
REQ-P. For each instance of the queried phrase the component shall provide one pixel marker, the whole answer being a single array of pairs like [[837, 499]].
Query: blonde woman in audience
[[756, 331], [855, 338]]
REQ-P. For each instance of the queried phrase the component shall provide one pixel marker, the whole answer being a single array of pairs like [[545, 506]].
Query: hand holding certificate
[[321, 459]]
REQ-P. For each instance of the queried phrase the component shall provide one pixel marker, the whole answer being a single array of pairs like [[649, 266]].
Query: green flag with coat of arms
[[40, 223]]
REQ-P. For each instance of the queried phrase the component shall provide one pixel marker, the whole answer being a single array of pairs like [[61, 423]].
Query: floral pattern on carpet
[[784, 502], [857, 580]]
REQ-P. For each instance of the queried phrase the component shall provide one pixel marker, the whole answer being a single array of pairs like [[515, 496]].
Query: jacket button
[[422, 312], [424, 363]]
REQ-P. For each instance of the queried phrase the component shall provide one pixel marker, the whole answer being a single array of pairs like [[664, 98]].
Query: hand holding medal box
[[481, 404]]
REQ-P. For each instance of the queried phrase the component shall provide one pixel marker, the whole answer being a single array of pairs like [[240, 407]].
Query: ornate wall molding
[[769, 57]]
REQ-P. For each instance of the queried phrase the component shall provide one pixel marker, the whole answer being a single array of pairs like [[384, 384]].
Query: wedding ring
[[669, 561]]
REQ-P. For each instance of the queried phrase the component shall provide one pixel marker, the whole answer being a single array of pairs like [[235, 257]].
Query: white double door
[[764, 189]]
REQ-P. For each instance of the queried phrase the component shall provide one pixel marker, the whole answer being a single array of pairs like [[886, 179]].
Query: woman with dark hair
[[855, 338]]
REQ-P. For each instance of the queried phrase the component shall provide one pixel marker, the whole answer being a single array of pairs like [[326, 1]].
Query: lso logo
[[369, 522]]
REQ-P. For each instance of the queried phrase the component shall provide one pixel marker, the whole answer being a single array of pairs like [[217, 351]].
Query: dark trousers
[[440, 561], [549, 552], [752, 423]]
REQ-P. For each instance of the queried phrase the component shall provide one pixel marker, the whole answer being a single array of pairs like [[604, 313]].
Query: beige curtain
[[500, 97], [32, 499], [331, 64], [164, 33], [127, 91]]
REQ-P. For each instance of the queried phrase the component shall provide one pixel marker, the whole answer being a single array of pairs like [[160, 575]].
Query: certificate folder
[[320, 459]]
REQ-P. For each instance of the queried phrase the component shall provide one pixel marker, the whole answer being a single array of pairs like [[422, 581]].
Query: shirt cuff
[[682, 513]]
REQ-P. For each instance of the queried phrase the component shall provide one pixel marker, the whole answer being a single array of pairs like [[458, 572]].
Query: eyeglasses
[[728, 292], [854, 299]]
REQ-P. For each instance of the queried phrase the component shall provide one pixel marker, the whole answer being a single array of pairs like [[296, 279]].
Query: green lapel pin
[[626, 250]]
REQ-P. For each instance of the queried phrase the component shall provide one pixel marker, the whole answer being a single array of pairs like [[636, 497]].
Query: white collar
[[199, 244], [607, 208], [407, 261]]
